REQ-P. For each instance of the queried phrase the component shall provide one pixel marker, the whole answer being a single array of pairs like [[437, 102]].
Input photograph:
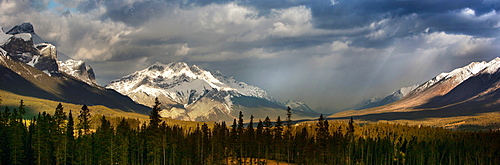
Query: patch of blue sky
[[55, 5]]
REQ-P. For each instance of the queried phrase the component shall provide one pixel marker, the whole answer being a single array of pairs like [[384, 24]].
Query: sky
[[330, 54]]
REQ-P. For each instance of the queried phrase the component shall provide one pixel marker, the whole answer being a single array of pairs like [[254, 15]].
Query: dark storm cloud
[[328, 53]]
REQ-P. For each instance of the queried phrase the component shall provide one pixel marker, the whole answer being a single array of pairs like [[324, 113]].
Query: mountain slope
[[31, 69], [191, 93], [22, 79], [379, 101], [468, 91], [299, 106]]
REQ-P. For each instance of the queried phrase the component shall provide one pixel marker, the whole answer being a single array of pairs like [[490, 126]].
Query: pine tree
[[60, 117], [154, 117], [17, 139], [288, 133], [322, 136], [278, 138], [84, 120], [289, 117], [240, 137], [84, 140], [268, 138], [123, 134], [70, 143], [22, 110], [350, 129], [260, 137], [105, 146], [250, 138], [267, 122], [7, 114], [3, 137], [59, 137]]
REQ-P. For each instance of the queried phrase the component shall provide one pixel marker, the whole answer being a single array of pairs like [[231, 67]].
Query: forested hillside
[[62, 138]]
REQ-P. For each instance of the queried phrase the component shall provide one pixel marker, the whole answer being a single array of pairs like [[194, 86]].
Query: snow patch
[[24, 36]]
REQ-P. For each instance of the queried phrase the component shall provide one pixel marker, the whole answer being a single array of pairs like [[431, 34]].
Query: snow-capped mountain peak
[[494, 66], [78, 69], [182, 83], [23, 44], [458, 75], [184, 88]]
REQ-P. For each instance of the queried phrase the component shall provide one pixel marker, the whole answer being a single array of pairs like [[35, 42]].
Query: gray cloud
[[329, 55]]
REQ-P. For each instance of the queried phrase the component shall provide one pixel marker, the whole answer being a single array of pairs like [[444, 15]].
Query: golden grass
[[483, 121], [37, 105]]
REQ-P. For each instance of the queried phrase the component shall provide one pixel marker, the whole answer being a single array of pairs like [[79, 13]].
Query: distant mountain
[[468, 91], [32, 70], [299, 106], [379, 101], [191, 93]]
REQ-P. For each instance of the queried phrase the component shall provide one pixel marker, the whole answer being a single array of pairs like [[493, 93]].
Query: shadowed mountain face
[[22, 79], [467, 91], [31, 69]]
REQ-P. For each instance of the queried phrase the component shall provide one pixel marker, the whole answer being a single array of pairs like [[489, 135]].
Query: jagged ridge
[[192, 93]]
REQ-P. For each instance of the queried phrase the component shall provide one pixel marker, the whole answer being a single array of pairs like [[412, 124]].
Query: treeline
[[56, 139]]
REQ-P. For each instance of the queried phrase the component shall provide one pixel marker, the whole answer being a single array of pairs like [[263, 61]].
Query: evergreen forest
[[69, 138]]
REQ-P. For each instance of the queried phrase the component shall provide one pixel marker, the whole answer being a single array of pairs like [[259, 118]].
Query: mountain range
[[472, 90], [191, 93]]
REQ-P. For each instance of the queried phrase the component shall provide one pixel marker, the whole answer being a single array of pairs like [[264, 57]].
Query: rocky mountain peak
[[188, 91], [19, 46], [457, 75], [78, 69], [23, 28]]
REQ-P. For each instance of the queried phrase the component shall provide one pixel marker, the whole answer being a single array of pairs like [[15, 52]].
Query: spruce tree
[[22, 110], [240, 137], [84, 120], [84, 143], [7, 114], [154, 117], [60, 117], [123, 134], [350, 129], [59, 137], [70, 143], [289, 117], [250, 138], [105, 146]]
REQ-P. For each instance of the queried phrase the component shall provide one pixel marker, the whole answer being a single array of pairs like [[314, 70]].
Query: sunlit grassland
[[35, 105]]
